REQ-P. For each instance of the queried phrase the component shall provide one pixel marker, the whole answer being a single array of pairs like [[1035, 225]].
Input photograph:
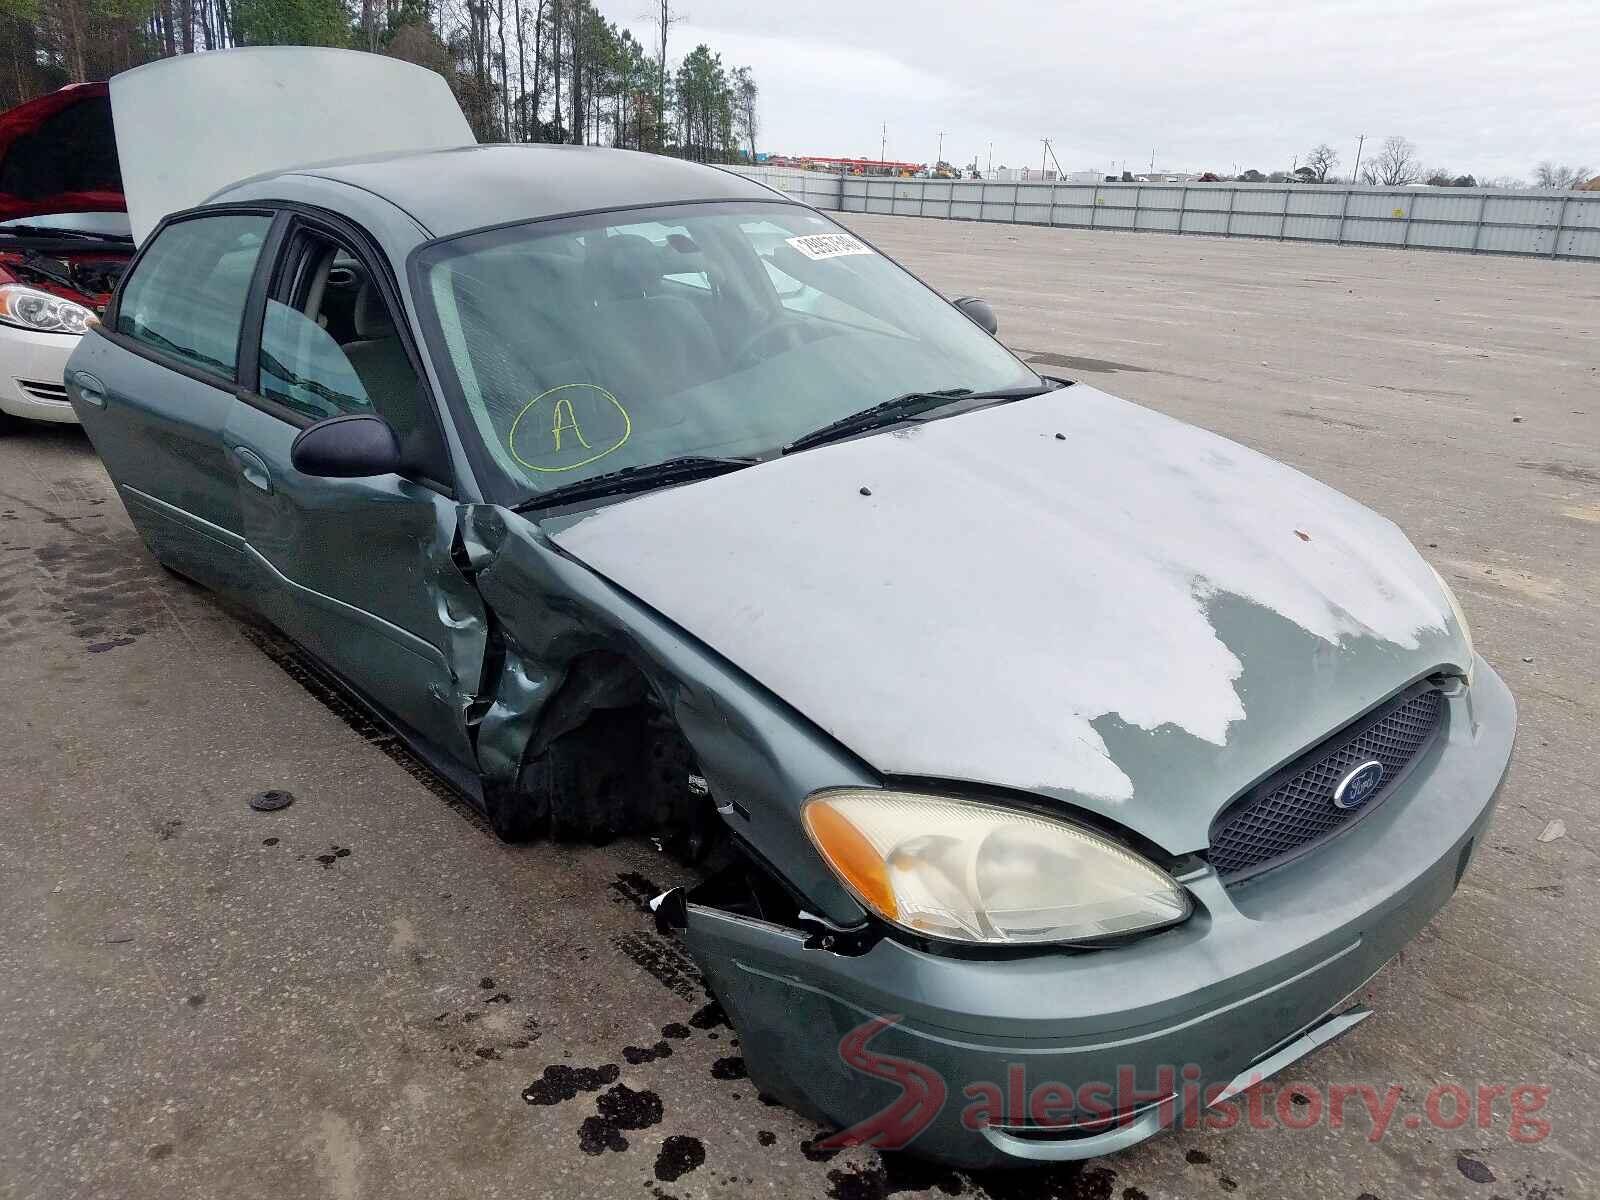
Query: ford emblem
[[1358, 785]]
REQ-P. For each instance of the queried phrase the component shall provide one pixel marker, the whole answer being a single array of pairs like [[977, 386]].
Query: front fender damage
[[566, 643]]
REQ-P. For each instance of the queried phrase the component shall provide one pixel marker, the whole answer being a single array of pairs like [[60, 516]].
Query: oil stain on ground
[[729, 1068], [561, 1082], [894, 1174], [635, 1055], [1068, 1181], [621, 1108], [678, 1156]]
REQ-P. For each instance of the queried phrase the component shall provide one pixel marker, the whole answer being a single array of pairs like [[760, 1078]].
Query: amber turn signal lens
[[851, 856]]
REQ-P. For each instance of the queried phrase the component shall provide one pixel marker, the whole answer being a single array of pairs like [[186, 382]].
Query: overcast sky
[[1490, 88]]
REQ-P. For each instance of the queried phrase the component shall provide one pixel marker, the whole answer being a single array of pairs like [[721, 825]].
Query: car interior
[[641, 310], [329, 345], [637, 342]]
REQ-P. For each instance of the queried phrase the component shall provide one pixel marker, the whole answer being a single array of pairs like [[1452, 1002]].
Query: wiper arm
[[901, 407], [51, 231], [683, 469]]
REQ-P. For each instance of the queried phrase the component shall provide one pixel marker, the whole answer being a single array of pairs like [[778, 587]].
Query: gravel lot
[[349, 997]]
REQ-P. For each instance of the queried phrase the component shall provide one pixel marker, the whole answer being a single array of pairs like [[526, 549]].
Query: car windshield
[[581, 346]]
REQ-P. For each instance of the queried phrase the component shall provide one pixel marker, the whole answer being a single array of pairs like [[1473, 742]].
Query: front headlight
[[974, 872], [1461, 621], [30, 308]]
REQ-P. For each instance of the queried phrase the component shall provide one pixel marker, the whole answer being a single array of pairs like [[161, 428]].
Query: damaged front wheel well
[[604, 759]]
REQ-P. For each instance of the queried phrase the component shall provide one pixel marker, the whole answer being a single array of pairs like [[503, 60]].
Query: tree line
[[1396, 163], [522, 70]]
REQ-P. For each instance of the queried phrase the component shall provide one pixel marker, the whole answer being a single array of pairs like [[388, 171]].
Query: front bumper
[[31, 370], [1257, 966]]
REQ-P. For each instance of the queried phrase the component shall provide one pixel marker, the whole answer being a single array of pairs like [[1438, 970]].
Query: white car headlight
[[1461, 621], [30, 308], [973, 872]]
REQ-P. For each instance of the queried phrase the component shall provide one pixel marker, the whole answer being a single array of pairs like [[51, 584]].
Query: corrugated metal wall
[[1547, 224]]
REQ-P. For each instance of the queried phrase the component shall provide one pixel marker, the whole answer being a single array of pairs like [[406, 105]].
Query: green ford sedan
[[1031, 743]]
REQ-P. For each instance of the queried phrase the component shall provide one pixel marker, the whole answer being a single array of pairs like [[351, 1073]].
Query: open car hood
[[189, 126], [1138, 617], [58, 154]]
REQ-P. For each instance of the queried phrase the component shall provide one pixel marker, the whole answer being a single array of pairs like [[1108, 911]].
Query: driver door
[[358, 571]]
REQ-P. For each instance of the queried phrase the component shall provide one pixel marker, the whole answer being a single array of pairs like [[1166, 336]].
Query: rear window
[[186, 296]]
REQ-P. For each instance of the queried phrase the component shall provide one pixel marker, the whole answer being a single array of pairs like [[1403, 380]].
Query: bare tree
[[1395, 165], [505, 69], [745, 92], [664, 22], [1322, 159], [517, 133], [1560, 177]]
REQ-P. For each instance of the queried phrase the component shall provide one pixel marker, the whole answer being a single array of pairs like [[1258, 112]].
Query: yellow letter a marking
[[564, 419]]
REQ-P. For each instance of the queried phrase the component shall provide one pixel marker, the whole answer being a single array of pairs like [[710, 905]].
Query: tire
[[521, 813], [576, 791]]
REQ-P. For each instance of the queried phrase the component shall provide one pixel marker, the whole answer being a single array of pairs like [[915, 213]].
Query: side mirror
[[979, 313], [353, 446]]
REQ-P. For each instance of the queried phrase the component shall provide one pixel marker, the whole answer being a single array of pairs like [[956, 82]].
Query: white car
[[64, 242]]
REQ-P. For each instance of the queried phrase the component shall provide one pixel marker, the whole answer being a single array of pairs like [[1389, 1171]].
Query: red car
[[64, 241]]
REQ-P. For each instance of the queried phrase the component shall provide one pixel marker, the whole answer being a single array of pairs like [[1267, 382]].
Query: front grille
[[54, 392], [1289, 814]]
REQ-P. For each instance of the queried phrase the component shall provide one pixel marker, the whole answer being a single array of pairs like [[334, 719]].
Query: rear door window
[[186, 296]]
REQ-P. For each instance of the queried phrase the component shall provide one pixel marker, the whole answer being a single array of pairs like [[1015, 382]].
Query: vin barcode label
[[828, 245]]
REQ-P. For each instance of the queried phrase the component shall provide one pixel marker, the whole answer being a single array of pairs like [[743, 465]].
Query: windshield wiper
[[31, 230], [684, 469], [901, 408]]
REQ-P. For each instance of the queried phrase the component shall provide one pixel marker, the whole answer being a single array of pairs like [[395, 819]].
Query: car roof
[[451, 191]]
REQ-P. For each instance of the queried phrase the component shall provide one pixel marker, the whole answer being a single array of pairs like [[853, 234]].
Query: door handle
[[90, 389], [254, 469]]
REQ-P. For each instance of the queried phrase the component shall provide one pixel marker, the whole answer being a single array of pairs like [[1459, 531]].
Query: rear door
[[155, 386], [359, 571]]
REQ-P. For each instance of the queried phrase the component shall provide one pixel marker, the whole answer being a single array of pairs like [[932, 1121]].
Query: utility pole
[[1355, 175], [939, 157], [1051, 151], [989, 170], [883, 145], [1152, 161]]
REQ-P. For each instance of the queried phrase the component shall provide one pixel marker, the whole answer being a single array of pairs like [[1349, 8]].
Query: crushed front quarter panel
[[748, 744]]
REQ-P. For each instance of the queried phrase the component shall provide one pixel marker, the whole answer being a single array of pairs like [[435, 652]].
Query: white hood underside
[[189, 126]]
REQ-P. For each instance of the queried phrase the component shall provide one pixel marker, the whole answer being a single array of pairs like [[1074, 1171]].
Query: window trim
[[107, 328], [293, 218]]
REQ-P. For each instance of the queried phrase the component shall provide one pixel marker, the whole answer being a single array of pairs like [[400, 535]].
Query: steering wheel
[[780, 326]]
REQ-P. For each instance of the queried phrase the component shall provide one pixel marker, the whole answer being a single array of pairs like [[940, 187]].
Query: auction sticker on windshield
[[828, 245]]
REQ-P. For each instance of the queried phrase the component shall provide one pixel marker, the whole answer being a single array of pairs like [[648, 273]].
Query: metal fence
[[1547, 224]]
